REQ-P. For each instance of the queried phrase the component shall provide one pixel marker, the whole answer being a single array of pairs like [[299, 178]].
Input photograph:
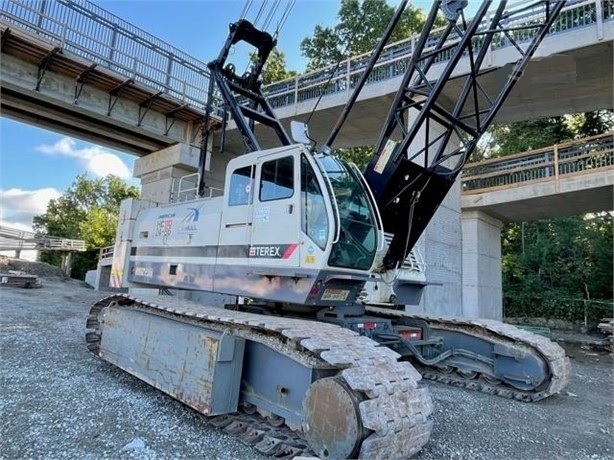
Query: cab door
[[276, 221], [236, 223]]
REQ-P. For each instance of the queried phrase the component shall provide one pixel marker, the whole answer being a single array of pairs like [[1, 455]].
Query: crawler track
[[496, 331], [394, 408]]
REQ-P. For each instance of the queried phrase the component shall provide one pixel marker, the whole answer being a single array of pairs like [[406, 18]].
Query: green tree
[[275, 68], [360, 26], [357, 155], [88, 210], [551, 266], [508, 139], [591, 123]]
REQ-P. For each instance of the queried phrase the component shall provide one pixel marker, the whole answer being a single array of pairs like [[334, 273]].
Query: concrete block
[[90, 278], [178, 155], [481, 265]]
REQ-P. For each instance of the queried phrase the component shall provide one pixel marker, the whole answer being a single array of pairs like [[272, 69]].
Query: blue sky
[[37, 165]]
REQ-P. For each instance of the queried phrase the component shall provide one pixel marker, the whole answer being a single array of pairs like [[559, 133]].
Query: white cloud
[[17, 207], [95, 159]]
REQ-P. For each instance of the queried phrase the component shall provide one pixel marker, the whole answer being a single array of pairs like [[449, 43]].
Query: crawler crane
[[306, 363]]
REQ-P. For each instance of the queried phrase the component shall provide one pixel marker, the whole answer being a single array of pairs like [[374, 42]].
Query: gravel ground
[[60, 401]]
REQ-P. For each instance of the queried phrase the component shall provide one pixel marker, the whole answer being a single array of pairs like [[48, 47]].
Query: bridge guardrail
[[106, 252], [549, 163], [19, 239], [394, 59], [93, 33]]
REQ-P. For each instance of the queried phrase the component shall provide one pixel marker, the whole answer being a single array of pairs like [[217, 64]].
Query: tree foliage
[[555, 267], [274, 67], [359, 27], [357, 155], [550, 267], [507, 139], [88, 210]]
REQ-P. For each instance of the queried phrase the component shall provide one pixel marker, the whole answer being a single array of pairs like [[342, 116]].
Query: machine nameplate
[[337, 295]]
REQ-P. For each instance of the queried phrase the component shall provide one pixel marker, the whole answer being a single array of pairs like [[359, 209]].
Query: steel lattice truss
[[449, 97]]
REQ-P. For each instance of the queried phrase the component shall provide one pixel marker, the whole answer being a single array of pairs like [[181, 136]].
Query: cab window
[[241, 186], [277, 179], [314, 219]]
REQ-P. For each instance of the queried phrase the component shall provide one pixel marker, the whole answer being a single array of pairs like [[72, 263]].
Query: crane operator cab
[[292, 227]]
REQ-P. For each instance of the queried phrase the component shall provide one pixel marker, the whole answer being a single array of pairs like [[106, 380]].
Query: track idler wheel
[[331, 419]]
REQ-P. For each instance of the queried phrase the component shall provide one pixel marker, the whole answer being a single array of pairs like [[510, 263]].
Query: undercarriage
[[478, 354], [292, 386], [289, 386]]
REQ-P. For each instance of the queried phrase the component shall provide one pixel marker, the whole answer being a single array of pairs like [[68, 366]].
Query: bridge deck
[[572, 178], [12, 239]]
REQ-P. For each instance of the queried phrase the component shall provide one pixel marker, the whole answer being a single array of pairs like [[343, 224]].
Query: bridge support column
[[482, 288], [67, 262], [160, 172], [441, 249]]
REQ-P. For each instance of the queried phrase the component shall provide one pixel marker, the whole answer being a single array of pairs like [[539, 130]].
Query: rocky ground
[[57, 400]]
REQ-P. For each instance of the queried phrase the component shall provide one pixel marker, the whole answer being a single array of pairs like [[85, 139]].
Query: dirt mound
[[41, 269]]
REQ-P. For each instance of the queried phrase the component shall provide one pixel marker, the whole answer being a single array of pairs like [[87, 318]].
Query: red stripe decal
[[289, 251]]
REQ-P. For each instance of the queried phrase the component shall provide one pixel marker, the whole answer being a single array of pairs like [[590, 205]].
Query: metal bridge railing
[[106, 253], [13, 239], [550, 163], [89, 31], [392, 64], [185, 188]]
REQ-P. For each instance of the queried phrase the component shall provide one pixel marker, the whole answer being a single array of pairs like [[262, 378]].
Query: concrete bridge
[[72, 67], [12, 239], [572, 178]]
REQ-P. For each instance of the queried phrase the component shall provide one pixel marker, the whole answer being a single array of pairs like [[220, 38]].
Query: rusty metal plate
[[199, 367], [332, 424]]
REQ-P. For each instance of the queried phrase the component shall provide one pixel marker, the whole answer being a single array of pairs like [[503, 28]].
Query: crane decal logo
[[272, 251], [193, 215]]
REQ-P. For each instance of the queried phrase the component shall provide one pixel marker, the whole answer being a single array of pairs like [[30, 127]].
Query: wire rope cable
[[270, 15], [260, 11], [246, 7], [284, 17]]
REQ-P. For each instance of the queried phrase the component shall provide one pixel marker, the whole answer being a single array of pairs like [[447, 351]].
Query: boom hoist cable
[[284, 17]]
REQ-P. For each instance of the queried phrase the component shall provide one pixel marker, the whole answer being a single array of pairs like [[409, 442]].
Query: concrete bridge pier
[[66, 264], [161, 173], [439, 244], [481, 265]]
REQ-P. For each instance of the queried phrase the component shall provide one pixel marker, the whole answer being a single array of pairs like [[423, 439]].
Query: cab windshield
[[357, 243]]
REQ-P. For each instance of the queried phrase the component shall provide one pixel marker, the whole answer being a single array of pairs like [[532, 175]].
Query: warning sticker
[[384, 156]]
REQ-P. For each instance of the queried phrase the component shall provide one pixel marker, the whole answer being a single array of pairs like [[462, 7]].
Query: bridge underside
[[21, 105], [577, 195], [44, 86], [572, 81]]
